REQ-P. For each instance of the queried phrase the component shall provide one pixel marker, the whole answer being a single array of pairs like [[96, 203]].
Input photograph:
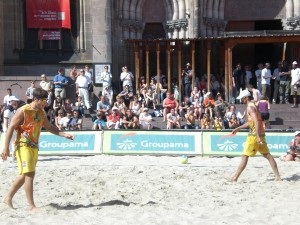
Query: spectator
[[218, 122], [203, 83], [163, 90], [58, 122], [248, 74], [103, 106], [126, 94], [276, 78], [29, 92], [145, 120], [130, 120], [46, 85], [80, 105], [191, 119], [234, 122], [135, 106], [295, 84], [173, 120], [294, 152], [6, 97], [68, 105], [60, 82], [238, 81], [187, 80], [184, 106], [65, 121], [82, 84], [99, 123], [127, 78], [195, 92], [151, 99], [254, 92], [265, 81], [58, 104], [113, 120], [120, 105], [109, 94], [161, 76], [232, 110], [143, 87], [73, 72], [285, 82], [206, 121], [220, 105], [258, 75], [76, 121], [209, 104], [106, 77], [89, 74], [263, 107], [214, 85], [168, 104]]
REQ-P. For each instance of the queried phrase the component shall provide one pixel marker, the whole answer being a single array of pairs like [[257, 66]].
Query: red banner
[[48, 14], [49, 35]]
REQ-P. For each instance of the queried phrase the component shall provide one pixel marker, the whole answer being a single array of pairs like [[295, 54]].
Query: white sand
[[154, 190]]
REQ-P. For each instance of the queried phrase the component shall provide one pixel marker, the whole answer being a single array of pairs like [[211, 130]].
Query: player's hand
[[5, 154], [259, 140], [235, 130], [69, 136]]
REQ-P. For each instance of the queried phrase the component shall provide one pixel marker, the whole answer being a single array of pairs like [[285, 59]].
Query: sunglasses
[[43, 100]]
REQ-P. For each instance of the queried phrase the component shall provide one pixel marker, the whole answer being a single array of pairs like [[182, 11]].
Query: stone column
[[1, 39], [296, 8]]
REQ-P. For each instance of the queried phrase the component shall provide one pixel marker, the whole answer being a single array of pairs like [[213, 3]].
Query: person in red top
[[209, 104], [168, 104], [113, 120]]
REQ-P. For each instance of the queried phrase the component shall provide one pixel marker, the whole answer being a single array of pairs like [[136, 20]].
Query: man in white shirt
[[265, 81], [82, 83], [127, 78], [105, 77], [6, 97], [145, 120], [8, 114], [258, 75], [255, 92], [89, 74], [295, 84], [173, 120]]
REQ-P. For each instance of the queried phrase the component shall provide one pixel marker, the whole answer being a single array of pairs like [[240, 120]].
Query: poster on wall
[[48, 14]]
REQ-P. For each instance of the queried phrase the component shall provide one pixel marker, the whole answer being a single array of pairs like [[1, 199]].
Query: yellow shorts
[[27, 158], [251, 146]]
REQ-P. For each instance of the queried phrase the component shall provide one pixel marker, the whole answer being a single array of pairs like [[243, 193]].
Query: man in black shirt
[[285, 83]]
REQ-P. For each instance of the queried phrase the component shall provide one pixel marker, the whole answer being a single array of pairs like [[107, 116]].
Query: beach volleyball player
[[28, 121], [256, 137]]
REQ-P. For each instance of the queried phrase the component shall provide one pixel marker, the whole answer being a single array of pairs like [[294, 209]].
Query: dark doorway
[[268, 25]]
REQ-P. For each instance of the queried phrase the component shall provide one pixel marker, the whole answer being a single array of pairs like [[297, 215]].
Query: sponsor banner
[[168, 142], [49, 35], [48, 14], [85, 142], [218, 143]]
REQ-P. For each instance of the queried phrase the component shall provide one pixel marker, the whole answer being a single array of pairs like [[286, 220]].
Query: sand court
[[154, 190]]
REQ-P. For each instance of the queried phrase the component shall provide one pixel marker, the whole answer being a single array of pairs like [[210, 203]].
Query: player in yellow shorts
[[28, 122], [256, 138]]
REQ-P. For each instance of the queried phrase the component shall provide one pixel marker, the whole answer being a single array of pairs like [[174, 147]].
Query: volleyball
[[184, 159]]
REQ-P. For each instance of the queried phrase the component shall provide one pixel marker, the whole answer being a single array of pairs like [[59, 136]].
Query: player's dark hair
[[40, 93]]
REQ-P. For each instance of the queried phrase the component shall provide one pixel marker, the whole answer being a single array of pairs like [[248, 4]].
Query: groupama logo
[[126, 144]]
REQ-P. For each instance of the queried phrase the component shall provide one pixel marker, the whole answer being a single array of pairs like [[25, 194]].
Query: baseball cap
[[145, 109], [13, 98], [243, 94], [295, 63], [114, 108], [296, 133]]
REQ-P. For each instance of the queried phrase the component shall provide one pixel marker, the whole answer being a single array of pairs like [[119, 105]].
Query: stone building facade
[[100, 29]]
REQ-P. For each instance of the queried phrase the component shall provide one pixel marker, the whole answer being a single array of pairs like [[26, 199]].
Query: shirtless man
[[294, 152]]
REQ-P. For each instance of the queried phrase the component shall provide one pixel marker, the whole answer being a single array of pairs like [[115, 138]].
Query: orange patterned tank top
[[252, 130], [29, 131]]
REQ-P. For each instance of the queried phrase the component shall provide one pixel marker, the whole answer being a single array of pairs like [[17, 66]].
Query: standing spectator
[[127, 78], [258, 75], [113, 120], [6, 97], [203, 83], [103, 106], [82, 83], [45, 84], [214, 85], [168, 104], [265, 81], [285, 82], [294, 149], [130, 120], [187, 80], [263, 106], [8, 114], [295, 84], [145, 120], [191, 119], [60, 82], [248, 74], [254, 92], [29, 92], [238, 81], [80, 105], [173, 120], [89, 74], [209, 104], [105, 77], [76, 121], [99, 123], [276, 78], [73, 72]]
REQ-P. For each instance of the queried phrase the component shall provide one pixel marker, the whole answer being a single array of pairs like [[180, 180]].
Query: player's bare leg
[[18, 183], [273, 164], [240, 169], [29, 190]]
